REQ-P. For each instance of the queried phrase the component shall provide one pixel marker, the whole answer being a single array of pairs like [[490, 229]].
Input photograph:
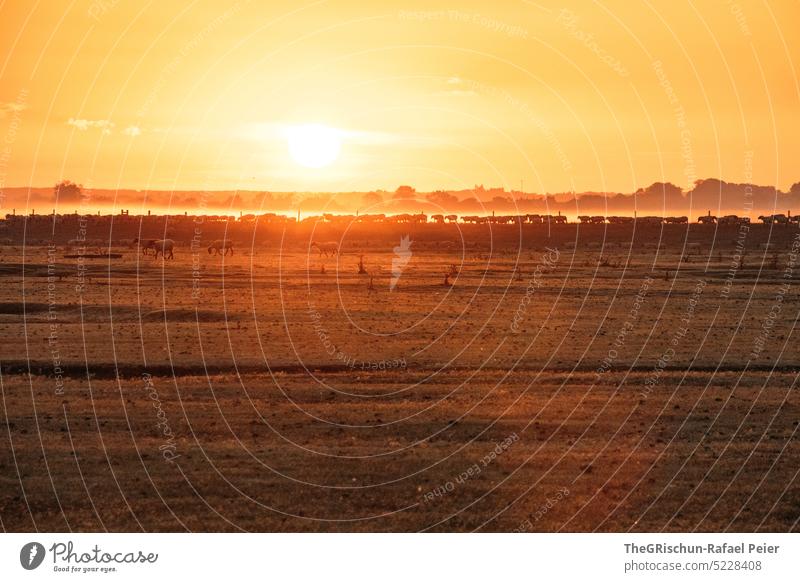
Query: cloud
[[104, 125], [132, 130], [7, 107]]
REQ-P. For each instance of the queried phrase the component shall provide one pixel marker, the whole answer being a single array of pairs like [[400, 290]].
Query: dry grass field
[[608, 387]]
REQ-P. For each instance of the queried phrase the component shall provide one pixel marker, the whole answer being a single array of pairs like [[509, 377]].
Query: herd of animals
[[730, 219], [222, 247], [422, 218], [165, 247]]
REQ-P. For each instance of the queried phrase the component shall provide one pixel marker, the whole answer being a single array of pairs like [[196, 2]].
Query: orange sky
[[605, 96]]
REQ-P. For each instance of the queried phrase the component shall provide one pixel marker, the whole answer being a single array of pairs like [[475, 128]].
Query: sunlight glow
[[312, 145]]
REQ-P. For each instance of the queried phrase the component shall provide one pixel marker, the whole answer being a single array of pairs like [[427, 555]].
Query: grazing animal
[[373, 273], [774, 219], [676, 219], [164, 247], [146, 244], [327, 248], [220, 247], [728, 219]]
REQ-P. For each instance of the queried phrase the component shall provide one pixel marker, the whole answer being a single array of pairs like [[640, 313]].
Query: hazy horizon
[[710, 194]]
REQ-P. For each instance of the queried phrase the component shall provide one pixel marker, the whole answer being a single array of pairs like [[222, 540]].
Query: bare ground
[[610, 389]]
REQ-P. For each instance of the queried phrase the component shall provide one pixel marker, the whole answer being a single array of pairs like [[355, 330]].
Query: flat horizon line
[[480, 188]]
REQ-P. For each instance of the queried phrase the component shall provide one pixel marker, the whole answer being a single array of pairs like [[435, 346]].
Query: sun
[[312, 145]]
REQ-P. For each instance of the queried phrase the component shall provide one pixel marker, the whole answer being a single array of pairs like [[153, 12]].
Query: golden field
[[606, 385]]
